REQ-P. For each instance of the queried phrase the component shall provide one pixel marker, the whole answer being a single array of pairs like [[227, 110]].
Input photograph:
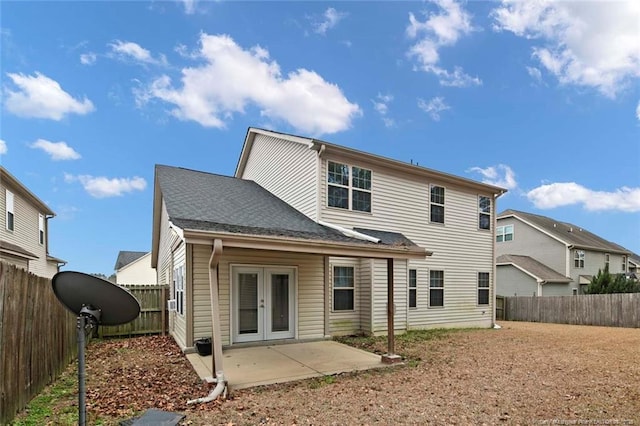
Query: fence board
[[37, 338], [612, 310], [152, 318]]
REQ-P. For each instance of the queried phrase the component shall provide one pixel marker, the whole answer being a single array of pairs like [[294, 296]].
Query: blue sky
[[541, 98]]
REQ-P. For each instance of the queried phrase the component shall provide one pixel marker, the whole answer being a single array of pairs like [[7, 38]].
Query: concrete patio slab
[[262, 365]]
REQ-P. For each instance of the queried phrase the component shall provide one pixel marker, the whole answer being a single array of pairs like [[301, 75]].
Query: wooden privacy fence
[[153, 318], [37, 338], [613, 310]]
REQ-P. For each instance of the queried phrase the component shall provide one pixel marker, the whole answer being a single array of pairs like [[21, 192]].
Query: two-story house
[[24, 228], [310, 240], [134, 267], [541, 256]]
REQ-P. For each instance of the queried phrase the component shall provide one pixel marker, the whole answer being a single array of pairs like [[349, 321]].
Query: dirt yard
[[524, 373]]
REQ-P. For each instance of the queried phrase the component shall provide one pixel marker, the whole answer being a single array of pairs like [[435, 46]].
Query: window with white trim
[[484, 212], [436, 208], [483, 288], [578, 259], [348, 187], [624, 263], [343, 288], [178, 288], [504, 233], [607, 258], [10, 217], [413, 288], [41, 229], [436, 288]]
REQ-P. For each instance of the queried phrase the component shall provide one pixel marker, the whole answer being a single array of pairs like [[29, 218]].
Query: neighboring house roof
[[213, 203], [322, 146], [9, 180], [569, 234], [127, 257], [533, 268], [13, 249]]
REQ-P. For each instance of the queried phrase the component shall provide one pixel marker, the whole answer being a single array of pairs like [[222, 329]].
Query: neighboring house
[[24, 228], [134, 267], [541, 256], [307, 238]]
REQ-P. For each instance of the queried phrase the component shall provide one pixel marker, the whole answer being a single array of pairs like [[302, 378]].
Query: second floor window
[[10, 218], [41, 229], [436, 207], [606, 260], [624, 263], [348, 187], [578, 259], [504, 233], [484, 212]]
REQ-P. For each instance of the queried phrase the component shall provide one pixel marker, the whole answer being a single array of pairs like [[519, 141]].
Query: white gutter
[[350, 232], [216, 340]]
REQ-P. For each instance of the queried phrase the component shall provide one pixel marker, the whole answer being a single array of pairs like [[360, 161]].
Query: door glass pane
[[248, 303], [279, 302]]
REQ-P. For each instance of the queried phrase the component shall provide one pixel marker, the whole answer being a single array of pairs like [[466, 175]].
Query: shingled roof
[[533, 267], [566, 232], [203, 201], [127, 257]]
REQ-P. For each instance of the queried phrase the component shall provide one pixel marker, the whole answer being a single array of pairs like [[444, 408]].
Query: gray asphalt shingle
[[211, 202], [126, 257], [534, 267]]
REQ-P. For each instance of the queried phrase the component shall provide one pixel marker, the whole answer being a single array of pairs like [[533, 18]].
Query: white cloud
[[535, 73], [103, 187], [569, 193], [128, 50], [437, 31], [3, 147], [593, 44], [329, 20], [500, 175], [39, 96], [189, 6], [433, 107], [381, 105], [232, 78], [57, 150], [638, 111], [88, 58]]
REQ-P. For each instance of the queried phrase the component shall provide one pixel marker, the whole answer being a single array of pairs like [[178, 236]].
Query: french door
[[263, 303]]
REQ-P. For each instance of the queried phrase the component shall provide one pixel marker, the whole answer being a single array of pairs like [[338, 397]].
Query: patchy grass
[[56, 405], [412, 345]]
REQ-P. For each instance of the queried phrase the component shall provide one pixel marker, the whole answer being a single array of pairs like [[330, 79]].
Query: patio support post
[[216, 339], [390, 357]]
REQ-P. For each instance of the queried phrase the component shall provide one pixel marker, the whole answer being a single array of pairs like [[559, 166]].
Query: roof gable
[[8, 179], [569, 234], [532, 267], [127, 257]]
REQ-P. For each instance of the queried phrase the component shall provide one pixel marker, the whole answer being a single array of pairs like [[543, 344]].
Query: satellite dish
[[95, 301], [77, 291]]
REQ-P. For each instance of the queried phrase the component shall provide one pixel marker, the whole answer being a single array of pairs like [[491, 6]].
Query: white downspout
[[350, 232], [216, 340]]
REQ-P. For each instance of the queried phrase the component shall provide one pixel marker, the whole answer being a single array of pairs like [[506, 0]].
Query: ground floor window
[[483, 288], [413, 288], [343, 288], [436, 288]]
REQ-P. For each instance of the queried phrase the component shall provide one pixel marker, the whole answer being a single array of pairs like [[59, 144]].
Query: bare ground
[[524, 373]]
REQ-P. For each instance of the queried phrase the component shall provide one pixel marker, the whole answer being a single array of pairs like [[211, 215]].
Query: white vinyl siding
[[25, 234], [402, 205], [137, 272], [380, 295], [310, 288], [286, 169], [346, 321]]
